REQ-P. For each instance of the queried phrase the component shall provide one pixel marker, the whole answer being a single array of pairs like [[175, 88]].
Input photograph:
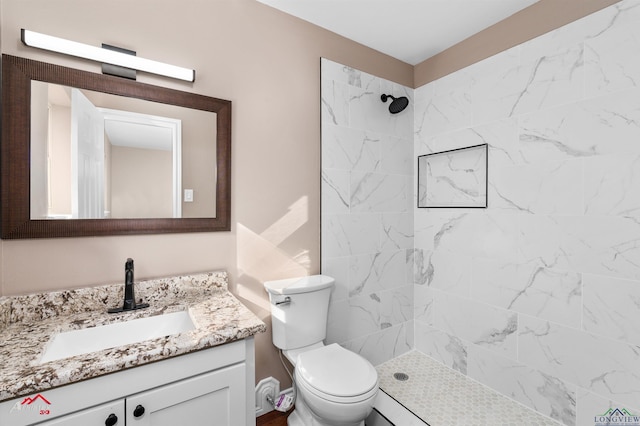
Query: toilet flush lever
[[286, 301]]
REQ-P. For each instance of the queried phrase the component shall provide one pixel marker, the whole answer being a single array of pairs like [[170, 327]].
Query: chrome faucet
[[129, 293]]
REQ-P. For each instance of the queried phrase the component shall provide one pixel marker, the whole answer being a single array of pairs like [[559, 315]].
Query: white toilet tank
[[299, 308]]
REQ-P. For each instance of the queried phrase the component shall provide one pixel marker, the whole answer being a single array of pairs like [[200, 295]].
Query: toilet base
[[302, 416]]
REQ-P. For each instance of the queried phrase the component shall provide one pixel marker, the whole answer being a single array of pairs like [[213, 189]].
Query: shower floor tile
[[443, 397]]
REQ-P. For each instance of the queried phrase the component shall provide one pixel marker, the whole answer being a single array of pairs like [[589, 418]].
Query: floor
[[441, 396], [273, 418], [423, 401]]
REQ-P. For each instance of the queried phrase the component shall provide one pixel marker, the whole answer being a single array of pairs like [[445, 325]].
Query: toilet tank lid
[[299, 285]]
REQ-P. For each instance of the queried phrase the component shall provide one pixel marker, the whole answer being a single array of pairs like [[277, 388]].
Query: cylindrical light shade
[[72, 48]]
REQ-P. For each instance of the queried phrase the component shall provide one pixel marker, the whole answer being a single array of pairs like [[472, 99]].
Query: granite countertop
[[27, 323]]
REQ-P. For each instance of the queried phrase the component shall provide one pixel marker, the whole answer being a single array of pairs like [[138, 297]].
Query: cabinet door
[[212, 399], [109, 414]]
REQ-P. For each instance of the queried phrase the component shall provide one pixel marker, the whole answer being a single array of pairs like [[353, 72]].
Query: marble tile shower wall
[[538, 296], [367, 212]]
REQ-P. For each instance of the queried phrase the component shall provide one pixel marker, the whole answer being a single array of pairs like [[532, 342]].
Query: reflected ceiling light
[[80, 50]]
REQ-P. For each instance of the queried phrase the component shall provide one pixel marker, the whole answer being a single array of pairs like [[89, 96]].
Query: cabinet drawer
[[217, 398], [95, 416]]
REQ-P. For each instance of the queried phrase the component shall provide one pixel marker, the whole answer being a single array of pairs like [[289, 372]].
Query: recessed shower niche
[[453, 178]]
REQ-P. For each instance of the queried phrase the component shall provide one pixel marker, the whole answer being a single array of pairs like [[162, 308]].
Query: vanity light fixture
[[80, 50]]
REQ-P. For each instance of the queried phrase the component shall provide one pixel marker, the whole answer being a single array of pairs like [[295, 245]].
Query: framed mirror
[[85, 154]]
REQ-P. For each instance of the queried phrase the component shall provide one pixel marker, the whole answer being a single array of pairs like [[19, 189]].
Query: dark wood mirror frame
[[17, 74]]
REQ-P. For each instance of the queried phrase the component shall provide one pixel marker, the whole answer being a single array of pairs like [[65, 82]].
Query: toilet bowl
[[335, 387]]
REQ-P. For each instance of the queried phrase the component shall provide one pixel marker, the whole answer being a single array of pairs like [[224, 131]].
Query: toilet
[[335, 387]]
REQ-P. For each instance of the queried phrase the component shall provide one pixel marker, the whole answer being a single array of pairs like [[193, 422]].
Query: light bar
[[80, 50]]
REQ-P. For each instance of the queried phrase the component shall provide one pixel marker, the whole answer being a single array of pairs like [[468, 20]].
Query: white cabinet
[[205, 388], [214, 398]]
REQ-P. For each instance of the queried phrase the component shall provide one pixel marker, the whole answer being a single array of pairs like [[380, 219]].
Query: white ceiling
[[408, 30], [138, 135]]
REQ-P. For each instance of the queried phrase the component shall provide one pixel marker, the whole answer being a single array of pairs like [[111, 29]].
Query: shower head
[[397, 104]]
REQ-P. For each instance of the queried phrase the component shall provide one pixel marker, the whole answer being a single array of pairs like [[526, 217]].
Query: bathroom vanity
[[203, 375]]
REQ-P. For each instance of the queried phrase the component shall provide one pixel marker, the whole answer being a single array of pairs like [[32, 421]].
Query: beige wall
[[268, 64], [141, 182], [537, 19], [198, 153]]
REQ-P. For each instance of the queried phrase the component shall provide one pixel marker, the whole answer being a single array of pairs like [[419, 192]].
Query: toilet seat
[[336, 374]]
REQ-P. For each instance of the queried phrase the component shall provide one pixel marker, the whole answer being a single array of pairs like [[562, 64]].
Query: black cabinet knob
[[138, 411], [111, 420]]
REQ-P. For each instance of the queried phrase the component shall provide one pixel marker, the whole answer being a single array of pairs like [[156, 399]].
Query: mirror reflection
[[102, 156]]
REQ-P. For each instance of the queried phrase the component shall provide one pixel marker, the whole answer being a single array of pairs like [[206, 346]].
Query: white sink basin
[[77, 342]]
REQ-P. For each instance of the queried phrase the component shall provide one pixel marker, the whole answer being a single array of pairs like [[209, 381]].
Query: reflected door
[[87, 158]]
